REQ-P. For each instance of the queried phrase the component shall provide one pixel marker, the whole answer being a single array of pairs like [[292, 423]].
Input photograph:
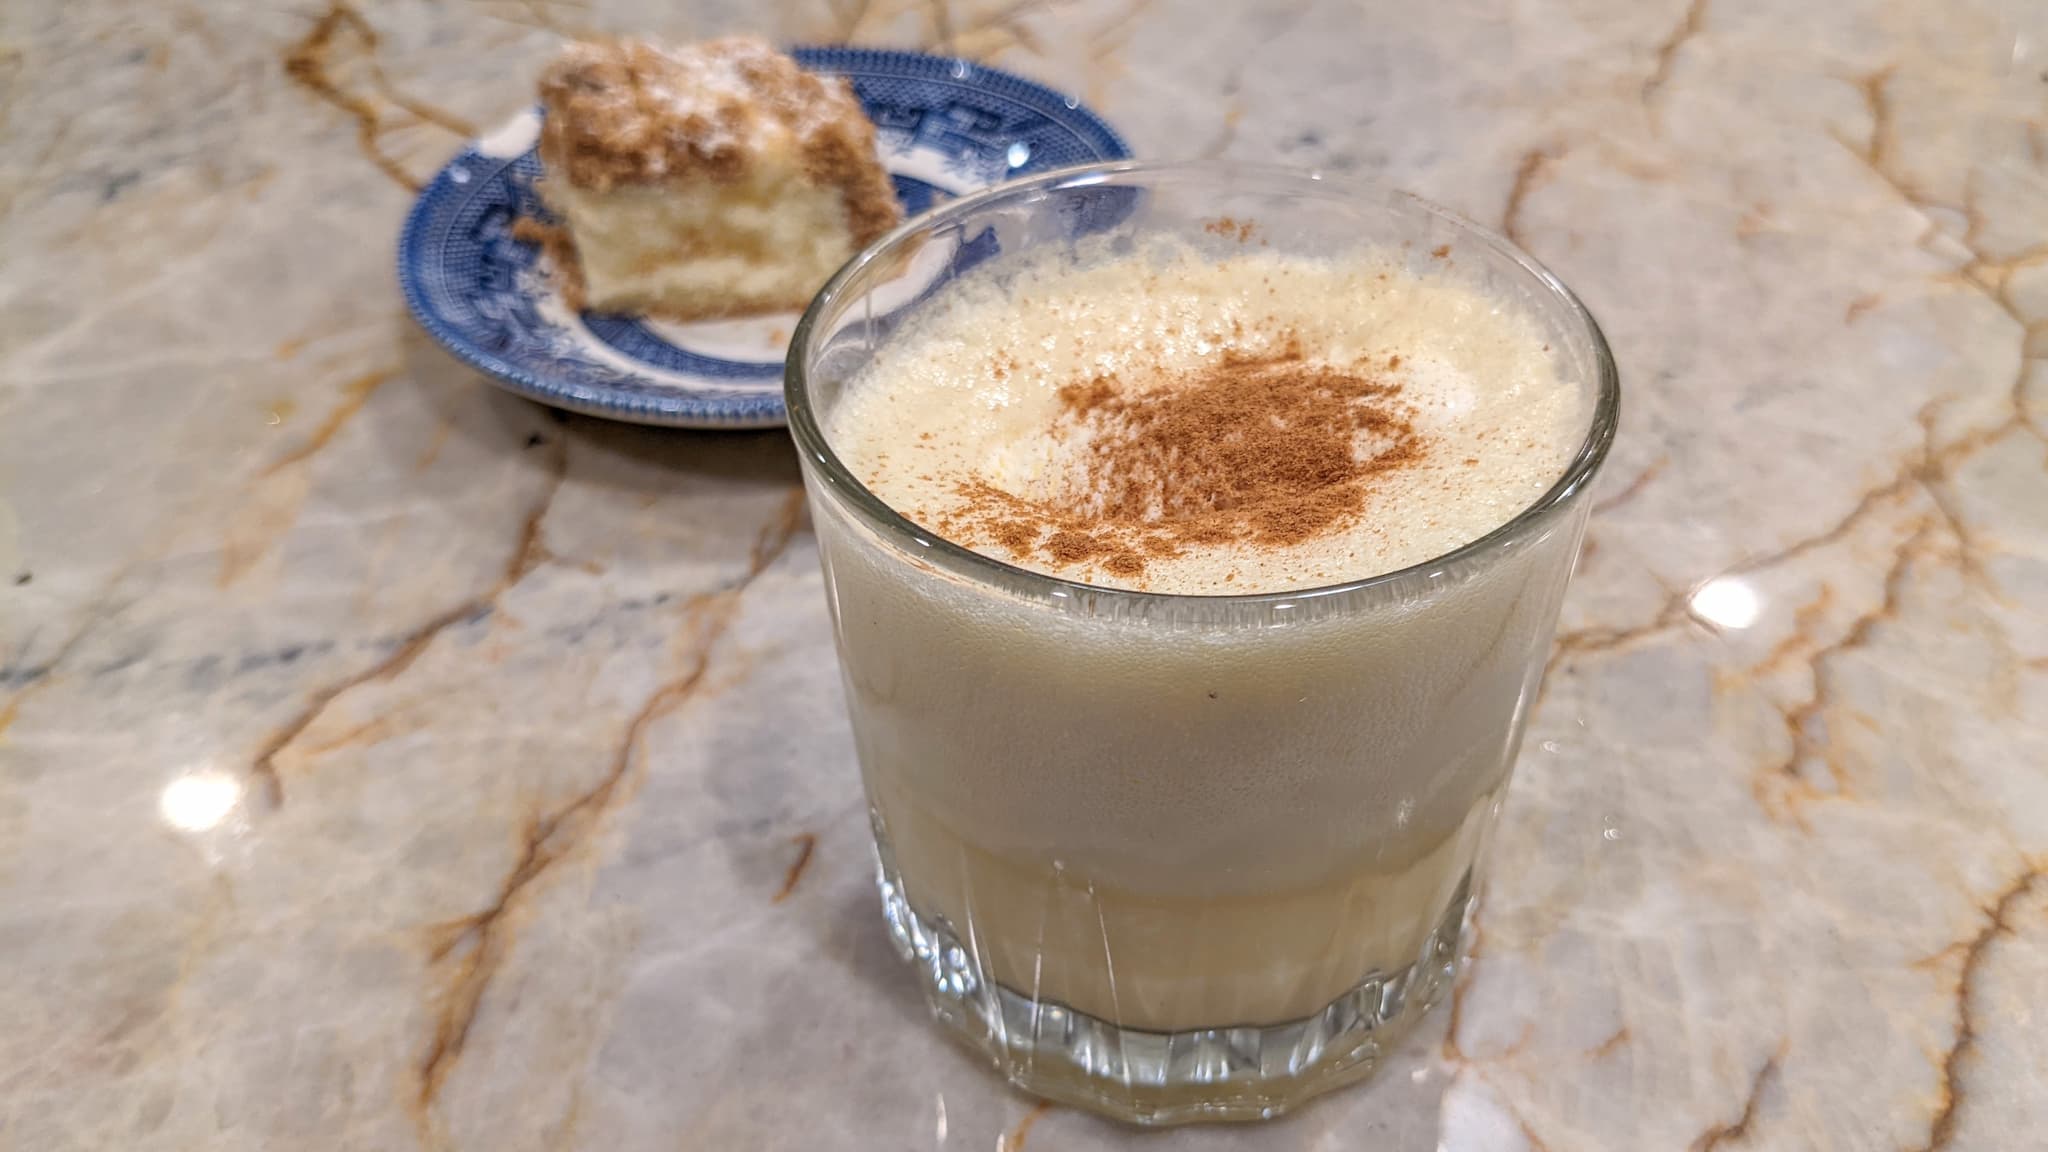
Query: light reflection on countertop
[[1726, 602], [200, 801]]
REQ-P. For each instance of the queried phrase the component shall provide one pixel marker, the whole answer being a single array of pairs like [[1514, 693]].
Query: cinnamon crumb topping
[[631, 112]]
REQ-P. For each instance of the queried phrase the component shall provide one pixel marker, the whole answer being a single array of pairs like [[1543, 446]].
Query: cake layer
[[702, 250]]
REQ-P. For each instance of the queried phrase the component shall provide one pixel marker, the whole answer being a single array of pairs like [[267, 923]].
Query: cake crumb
[[1268, 450], [559, 251]]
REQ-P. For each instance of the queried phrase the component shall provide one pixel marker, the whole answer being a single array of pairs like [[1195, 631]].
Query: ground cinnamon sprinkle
[[1230, 226], [1269, 450]]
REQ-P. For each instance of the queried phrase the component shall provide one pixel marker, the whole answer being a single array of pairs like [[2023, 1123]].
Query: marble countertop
[[389, 763]]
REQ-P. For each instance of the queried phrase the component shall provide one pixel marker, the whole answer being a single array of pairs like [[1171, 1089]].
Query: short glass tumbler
[[1171, 857]]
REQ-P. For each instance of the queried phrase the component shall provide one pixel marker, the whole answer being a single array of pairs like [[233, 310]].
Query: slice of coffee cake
[[715, 179]]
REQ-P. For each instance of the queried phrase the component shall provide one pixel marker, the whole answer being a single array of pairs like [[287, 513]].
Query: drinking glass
[[1181, 857]]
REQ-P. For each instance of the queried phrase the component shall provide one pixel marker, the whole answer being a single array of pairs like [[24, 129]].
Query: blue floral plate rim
[[945, 126]]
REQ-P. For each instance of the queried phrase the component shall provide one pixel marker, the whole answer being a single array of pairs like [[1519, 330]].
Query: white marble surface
[[386, 764]]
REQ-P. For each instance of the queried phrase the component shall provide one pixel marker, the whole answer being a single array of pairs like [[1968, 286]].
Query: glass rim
[[811, 442]]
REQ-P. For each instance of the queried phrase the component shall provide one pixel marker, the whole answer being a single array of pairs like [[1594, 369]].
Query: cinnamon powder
[[1267, 450]]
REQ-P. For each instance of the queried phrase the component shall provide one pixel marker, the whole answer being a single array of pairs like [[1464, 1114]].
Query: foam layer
[[968, 397]]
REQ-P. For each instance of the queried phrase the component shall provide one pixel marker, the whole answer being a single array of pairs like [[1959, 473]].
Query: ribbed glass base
[[1248, 1073]]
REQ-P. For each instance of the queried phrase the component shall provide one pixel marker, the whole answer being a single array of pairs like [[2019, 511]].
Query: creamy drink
[[1176, 827]]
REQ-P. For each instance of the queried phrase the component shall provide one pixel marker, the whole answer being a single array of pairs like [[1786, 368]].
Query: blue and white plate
[[944, 126]]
